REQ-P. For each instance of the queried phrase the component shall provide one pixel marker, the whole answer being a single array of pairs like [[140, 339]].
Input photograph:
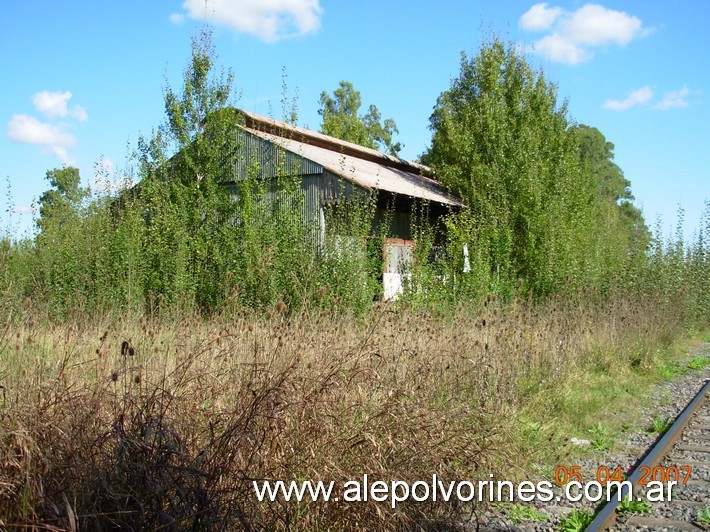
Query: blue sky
[[84, 79]]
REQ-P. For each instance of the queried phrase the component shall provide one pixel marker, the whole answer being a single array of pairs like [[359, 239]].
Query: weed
[[698, 362], [704, 515], [252, 351], [600, 437], [576, 521], [281, 396], [660, 425], [544, 470], [636, 507], [601, 444], [599, 430], [519, 513], [671, 370]]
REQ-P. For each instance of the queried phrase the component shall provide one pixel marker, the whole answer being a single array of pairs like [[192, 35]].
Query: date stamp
[[676, 474]]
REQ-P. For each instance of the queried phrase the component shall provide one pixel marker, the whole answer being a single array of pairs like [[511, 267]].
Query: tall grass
[[156, 422]]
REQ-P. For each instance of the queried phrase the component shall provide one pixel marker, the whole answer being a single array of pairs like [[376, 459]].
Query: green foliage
[[341, 119], [500, 142], [660, 425], [536, 187], [636, 507], [60, 245], [678, 272], [597, 157], [576, 521], [190, 236], [704, 515], [600, 437], [351, 260], [598, 154], [62, 203], [698, 362], [547, 212], [671, 370], [519, 513]]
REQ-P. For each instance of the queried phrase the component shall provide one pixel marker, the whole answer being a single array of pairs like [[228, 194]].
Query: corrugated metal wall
[[260, 158], [264, 159]]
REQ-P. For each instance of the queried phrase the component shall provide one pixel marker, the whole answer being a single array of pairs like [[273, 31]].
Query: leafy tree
[[597, 154], [500, 141], [62, 203], [184, 197], [209, 238], [341, 120], [197, 120], [597, 157], [61, 257]]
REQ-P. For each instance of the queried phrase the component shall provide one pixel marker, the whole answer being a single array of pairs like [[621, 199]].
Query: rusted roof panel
[[366, 168]]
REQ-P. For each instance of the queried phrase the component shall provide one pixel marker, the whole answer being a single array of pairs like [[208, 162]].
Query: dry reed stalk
[[149, 423]]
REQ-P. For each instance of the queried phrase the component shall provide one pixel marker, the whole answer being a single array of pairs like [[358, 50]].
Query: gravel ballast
[[666, 401]]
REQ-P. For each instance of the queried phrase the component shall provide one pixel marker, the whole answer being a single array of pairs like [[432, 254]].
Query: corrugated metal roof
[[365, 167], [268, 159]]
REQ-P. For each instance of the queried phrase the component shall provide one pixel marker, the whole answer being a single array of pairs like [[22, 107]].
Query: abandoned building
[[330, 170]]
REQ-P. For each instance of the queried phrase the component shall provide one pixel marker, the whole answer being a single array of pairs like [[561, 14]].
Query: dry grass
[[147, 424]]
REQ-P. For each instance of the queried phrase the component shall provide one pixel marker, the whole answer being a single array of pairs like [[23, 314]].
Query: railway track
[[681, 455], [683, 448]]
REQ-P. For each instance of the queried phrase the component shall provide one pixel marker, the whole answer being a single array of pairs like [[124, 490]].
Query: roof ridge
[[314, 138]]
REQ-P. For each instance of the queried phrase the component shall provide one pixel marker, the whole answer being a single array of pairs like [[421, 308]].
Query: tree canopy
[[504, 143], [597, 154], [597, 157], [60, 204], [341, 119], [546, 205]]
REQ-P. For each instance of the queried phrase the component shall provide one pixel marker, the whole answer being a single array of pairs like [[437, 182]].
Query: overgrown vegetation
[[164, 346], [576, 521], [661, 425], [634, 507], [341, 119], [152, 421], [704, 515], [520, 513]]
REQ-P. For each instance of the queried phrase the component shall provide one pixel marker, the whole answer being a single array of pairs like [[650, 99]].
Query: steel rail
[[606, 517]]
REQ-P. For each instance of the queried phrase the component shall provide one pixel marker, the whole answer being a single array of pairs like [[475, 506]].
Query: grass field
[[120, 421]]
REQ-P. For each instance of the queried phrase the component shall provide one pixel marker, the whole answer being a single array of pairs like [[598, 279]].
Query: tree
[[61, 204], [206, 232], [341, 120], [597, 157], [187, 205], [500, 141], [199, 121], [60, 252], [63, 201], [597, 154]]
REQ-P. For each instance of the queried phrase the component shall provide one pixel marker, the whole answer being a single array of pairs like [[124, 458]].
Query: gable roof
[[365, 167]]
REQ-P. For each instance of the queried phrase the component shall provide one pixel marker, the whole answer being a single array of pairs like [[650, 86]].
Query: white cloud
[[574, 34], [53, 137], [561, 50], [270, 20], [28, 130], [177, 18], [539, 17], [596, 25], [673, 99], [638, 97], [55, 104], [62, 155]]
